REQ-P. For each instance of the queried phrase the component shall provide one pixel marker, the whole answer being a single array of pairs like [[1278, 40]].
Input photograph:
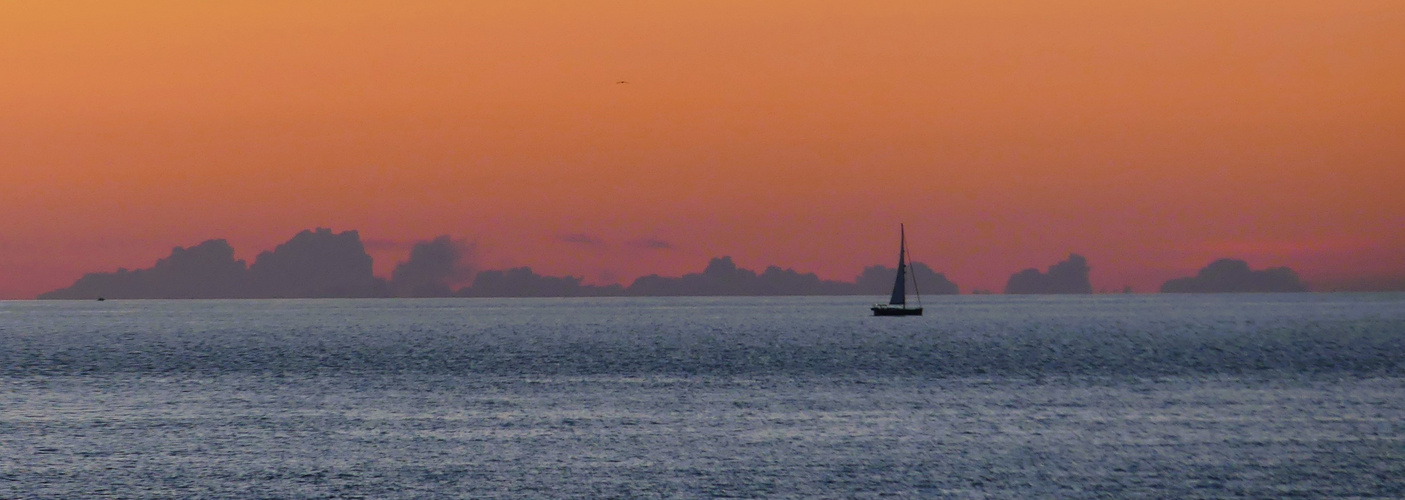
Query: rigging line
[[912, 272]]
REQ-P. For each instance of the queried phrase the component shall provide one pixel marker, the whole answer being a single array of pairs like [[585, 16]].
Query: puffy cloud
[[1235, 276], [321, 263], [316, 263], [434, 267], [878, 280], [204, 271], [1068, 276], [723, 277]]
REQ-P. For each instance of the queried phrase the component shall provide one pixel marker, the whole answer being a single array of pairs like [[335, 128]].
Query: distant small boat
[[897, 305]]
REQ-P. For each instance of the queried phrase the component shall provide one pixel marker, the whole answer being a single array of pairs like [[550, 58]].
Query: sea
[[985, 396]]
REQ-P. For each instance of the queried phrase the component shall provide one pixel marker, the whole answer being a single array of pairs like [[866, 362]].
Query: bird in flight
[[621, 81]]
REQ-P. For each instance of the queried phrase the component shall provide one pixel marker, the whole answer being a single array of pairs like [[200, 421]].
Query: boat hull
[[896, 311]]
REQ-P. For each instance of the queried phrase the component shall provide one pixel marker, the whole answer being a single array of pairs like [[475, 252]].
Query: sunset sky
[[1151, 137]]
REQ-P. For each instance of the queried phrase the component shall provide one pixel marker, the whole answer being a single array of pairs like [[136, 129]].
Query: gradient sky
[[1151, 137]]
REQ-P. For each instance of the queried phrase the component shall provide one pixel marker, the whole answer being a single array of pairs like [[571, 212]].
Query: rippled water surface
[[1099, 396]]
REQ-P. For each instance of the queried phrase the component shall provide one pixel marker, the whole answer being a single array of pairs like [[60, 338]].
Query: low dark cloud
[[1068, 276], [314, 263], [652, 244], [523, 282], [878, 280], [434, 267], [581, 239], [723, 277], [1235, 276], [321, 263], [204, 271], [720, 277]]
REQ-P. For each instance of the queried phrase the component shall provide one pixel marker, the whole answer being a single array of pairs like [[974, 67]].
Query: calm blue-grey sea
[[1276, 395]]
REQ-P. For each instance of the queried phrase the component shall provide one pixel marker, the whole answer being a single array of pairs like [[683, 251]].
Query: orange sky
[[1149, 136]]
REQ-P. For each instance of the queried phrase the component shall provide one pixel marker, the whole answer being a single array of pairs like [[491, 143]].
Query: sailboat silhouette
[[897, 304]]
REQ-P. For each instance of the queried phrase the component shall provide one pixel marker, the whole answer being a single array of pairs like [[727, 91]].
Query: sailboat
[[897, 305]]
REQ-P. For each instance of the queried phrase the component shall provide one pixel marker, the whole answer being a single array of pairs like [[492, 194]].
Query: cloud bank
[[1235, 276], [313, 264], [878, 280], [523, 282], [322, 264], [434, 267], [204, 271], [316, 264], [1066, 277]]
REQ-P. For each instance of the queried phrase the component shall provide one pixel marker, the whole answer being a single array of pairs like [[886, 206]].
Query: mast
[[899, 285]]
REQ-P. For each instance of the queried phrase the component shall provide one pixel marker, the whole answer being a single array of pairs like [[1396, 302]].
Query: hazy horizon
[[1151, 138], [324, 263], [466, 266]]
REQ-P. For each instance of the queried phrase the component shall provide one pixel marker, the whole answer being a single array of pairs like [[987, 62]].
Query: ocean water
[[1293, 395]]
